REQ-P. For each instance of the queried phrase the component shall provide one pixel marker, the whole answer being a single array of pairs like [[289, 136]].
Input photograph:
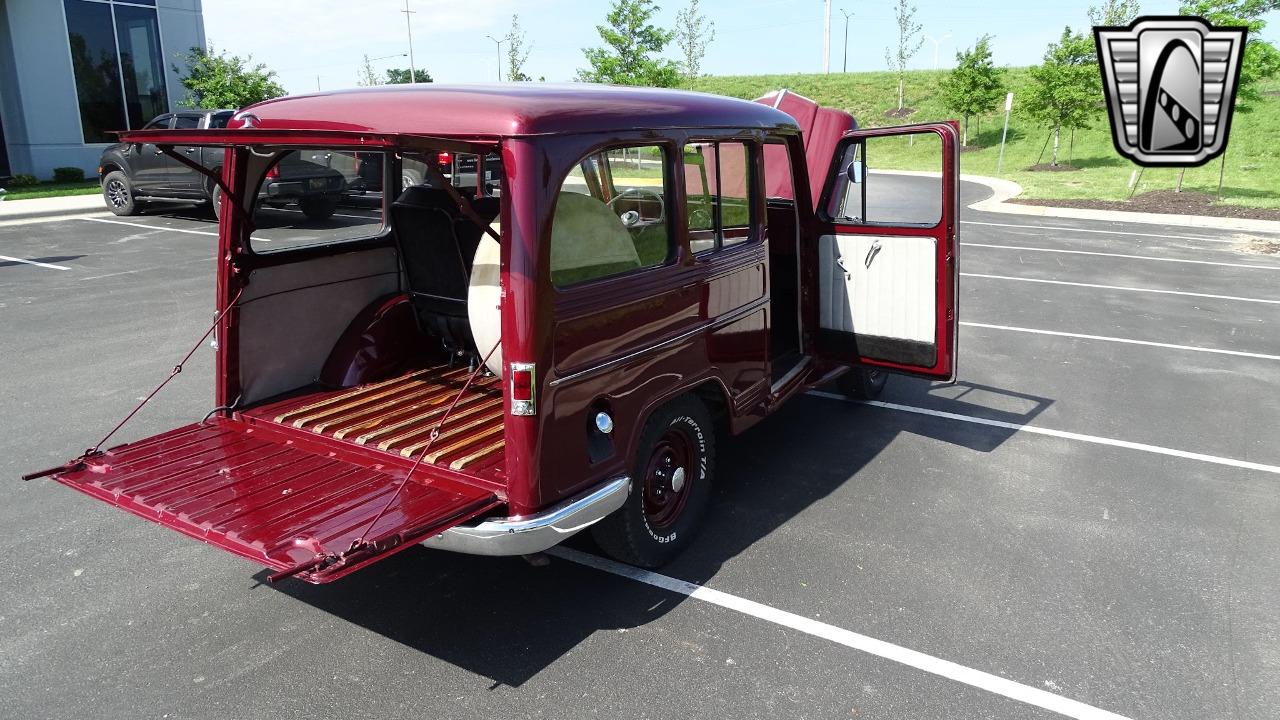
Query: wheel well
[[209, 184], [107, 169], [711, 393]]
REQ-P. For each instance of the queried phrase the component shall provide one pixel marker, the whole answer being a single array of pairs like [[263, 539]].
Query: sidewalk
[[69, 205]]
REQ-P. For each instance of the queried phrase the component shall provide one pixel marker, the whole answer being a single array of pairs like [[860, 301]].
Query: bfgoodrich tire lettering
[[670, 487]]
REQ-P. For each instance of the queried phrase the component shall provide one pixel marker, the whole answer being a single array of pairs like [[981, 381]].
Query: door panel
[[881, 289], [886, 262]]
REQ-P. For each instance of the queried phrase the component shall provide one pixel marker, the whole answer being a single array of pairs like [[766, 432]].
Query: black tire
[[117, 191], [665, 507], [863, 383], [317, 208]]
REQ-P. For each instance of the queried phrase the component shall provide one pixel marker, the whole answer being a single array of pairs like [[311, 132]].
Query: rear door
[[884, 265], [281, 503]]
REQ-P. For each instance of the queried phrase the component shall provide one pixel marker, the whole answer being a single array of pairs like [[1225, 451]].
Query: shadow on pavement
[[507, 620]]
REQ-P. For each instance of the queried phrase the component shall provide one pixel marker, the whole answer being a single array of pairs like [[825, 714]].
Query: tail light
[[273, 172], [523, 388], [443, 158]]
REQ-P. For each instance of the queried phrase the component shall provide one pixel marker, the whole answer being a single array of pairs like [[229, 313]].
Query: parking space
[[1119, 556]]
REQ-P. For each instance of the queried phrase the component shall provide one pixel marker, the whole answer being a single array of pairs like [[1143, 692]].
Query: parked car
[[490, 373], [136, 173]]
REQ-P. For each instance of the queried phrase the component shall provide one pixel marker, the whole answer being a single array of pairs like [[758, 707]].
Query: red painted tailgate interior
[[272, 501]]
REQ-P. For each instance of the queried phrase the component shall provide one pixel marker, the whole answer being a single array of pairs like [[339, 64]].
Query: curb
[[71, 205], [1003, 190]]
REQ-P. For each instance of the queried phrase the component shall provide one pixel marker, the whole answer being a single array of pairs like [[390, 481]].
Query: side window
[[460, 169], [160, 123], [718, 204], [867, 190], [611, 216], [186, 122], [779, 182], [311, 197]]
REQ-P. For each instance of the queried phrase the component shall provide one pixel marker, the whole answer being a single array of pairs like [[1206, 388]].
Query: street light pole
[[936, 41], [408, 22], [826, 39], [844, 66], [499, 42]]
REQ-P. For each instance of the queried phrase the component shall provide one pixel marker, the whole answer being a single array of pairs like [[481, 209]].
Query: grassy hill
[[1253, 155]]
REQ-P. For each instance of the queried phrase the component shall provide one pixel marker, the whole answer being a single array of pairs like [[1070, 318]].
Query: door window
[[186, 122], [718, 206], [306, 200], [889, 180], [611, 216]]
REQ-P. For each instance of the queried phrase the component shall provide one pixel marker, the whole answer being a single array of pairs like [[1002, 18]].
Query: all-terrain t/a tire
[[670, 487], [317, 208], [863, 383], [215, 198], [118, 193]]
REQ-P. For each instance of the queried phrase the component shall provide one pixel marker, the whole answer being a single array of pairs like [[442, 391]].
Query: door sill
[[801, 365]]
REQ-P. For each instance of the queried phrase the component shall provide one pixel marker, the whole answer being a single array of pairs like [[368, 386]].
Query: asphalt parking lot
[[1091, 514]]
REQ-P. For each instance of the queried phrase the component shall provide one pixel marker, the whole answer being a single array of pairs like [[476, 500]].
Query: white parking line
[[1128, 341], [1095, 439], [1121, 287], [1100, 232], [1121, 255], [150, 227], [37, 263], [857, 641]]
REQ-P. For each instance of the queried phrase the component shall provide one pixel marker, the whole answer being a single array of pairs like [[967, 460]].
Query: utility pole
[[408, 22], [844, 66], [499, 55], [826, 39]]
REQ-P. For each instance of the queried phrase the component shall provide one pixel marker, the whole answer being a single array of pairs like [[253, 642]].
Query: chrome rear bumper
[[535, 533]]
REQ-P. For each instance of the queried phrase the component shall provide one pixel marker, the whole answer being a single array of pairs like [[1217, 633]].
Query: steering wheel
[[636, 192]]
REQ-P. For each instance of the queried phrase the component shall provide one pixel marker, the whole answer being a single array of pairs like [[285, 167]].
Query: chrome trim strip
[[781, 94], [705, 327], [783, 381], [535, 533]]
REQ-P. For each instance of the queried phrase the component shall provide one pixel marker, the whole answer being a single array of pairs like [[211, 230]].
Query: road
[[1090, 513]]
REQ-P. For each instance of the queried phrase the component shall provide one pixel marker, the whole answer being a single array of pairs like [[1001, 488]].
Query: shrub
[[23, 181], [68, 175]]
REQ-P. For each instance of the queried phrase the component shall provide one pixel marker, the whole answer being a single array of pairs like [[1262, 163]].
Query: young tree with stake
[[909, 43], [975, 86], [694, 32], [517, 52], [1066, 90]]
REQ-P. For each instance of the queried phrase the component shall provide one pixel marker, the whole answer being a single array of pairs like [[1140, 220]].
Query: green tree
[[975, 86], [217, 80], [694, 32], [1113, 13], [517, 52], [401, 76], [366, 76], [1261, 59], [1065, 91], [909, 42], [631, 45]]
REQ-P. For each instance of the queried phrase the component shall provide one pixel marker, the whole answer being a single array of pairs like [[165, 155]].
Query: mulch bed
[[1165, 201], [1048, 167], [899, 113]]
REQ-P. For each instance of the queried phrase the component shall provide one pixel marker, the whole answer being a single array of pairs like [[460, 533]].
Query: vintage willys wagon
[[492, 368]]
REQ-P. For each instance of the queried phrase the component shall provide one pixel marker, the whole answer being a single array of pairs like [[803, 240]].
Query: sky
[[321, 43]]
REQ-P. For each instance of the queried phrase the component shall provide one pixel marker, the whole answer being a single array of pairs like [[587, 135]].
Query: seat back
[[424, 220]]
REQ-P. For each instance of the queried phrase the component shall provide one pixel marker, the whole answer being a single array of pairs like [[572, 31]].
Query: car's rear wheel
[[118, 193], [670, 487], [216, 199], [863, 383], [317, 208]]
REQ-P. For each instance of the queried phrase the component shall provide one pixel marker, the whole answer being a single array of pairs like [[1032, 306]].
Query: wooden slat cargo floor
[[398, 415]]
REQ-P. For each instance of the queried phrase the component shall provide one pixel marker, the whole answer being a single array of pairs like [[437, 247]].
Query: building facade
[[72, 71]]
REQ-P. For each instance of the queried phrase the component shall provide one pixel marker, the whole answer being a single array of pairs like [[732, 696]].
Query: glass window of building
[[118, 65]]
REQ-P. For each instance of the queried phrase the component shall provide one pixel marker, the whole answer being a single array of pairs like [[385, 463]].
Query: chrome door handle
[[845, 270], [871, 253]]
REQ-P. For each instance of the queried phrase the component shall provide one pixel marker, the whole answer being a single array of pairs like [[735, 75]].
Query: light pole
[[499, 42], [844, 66], [826, 39], [936, 41], [408, 23]]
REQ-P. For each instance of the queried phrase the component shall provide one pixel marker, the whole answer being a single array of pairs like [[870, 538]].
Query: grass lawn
[[1252, 175], [51, 189]]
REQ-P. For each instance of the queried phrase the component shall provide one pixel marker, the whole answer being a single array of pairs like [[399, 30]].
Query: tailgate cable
[[78, 463], [323, 560]]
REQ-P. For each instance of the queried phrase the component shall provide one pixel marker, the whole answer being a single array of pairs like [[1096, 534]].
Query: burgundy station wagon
[[490, 367]]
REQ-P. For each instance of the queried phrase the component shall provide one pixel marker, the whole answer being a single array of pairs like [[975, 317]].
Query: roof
[[511, 109]]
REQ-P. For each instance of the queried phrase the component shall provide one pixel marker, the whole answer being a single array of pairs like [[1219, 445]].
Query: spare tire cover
[[484, 300]]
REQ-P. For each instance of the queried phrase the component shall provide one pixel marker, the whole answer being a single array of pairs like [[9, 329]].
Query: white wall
[[181, 28]]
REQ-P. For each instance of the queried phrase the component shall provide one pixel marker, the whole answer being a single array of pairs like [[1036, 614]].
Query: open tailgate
[[269, 500]]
